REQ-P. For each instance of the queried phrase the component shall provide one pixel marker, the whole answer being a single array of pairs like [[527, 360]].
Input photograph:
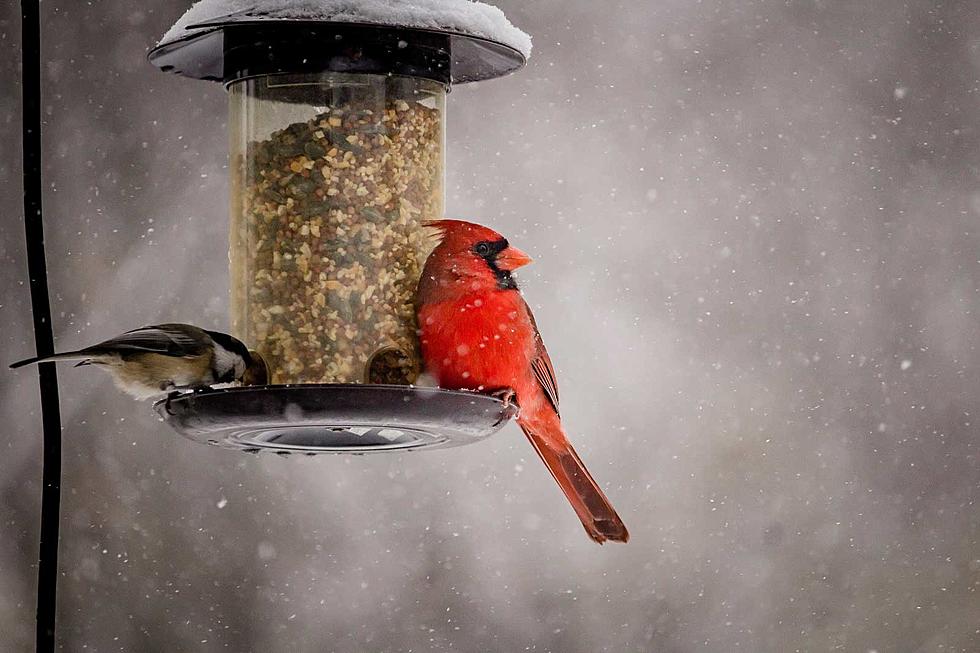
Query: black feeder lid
[[245, 44], [335, 418]]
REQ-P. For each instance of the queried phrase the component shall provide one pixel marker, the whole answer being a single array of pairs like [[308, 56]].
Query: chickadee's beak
[[257, 372], [512, 258]]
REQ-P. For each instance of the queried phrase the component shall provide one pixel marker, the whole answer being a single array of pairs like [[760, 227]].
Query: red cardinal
[[477, 333]]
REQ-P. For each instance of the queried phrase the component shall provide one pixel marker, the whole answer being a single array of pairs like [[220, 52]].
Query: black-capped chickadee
[[153, 360]]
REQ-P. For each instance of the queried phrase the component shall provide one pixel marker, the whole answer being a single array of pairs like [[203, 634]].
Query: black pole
[[47, 561]]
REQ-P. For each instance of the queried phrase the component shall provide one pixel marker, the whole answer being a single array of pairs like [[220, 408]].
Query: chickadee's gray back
[[181, 340]]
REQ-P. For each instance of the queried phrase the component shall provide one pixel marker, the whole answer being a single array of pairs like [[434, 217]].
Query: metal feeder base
[[334, 418]]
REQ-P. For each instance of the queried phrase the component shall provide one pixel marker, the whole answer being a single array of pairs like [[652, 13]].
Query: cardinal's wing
[[544, 371]]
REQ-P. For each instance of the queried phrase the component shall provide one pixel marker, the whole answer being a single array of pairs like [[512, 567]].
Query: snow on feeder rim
[[337, 131]]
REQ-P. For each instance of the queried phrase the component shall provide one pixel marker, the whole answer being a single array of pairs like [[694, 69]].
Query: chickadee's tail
[[67, 356]]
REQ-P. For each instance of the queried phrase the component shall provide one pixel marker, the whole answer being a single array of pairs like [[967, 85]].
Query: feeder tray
[[334, 418]]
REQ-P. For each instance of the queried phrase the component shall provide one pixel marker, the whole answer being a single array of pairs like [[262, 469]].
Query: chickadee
[[153, 360]]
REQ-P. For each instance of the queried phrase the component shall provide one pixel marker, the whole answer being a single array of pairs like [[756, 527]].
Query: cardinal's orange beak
[[512, 258]]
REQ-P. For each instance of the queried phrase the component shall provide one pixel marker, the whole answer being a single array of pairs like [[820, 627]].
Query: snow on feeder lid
[[337, 123], [453, 41]]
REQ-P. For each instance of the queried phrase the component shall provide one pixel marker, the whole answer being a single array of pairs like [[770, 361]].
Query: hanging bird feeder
[[337, 132]]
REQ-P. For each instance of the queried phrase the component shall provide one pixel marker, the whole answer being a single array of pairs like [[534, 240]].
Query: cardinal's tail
[[67, 356], [591, 505]]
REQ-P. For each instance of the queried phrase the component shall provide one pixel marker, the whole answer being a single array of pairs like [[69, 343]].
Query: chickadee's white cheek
[[224, 360]]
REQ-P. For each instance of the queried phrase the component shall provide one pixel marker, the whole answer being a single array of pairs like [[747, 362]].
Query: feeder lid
[[334, 418], [479, 40]]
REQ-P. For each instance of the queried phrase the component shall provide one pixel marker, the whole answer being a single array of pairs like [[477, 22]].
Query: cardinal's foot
[[506, 395]]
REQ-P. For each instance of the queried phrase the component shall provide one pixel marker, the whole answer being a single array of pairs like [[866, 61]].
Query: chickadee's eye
[[482, 249]]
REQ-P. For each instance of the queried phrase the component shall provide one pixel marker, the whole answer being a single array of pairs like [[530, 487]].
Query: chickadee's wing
[[180, 340]]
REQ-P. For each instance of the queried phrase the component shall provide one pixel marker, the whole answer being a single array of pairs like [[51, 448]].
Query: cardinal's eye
[[482, 249]]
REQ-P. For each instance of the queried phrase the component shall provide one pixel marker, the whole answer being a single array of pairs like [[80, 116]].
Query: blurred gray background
[[755, 227]]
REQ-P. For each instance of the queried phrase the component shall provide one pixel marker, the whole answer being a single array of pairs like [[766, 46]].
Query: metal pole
[[47, 567]]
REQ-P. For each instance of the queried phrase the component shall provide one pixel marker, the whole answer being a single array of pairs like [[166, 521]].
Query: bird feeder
[[337, 132]]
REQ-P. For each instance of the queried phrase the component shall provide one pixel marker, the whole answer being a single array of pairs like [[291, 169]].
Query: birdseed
[[329, 244]]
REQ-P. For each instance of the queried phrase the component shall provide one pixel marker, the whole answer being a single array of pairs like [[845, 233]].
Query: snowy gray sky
[[755, 235]]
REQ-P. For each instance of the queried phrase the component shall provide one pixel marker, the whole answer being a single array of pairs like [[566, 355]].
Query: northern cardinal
[[477, 333], [156, 359]]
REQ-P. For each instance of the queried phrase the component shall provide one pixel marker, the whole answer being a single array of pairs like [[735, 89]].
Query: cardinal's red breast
[[477, 340]]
